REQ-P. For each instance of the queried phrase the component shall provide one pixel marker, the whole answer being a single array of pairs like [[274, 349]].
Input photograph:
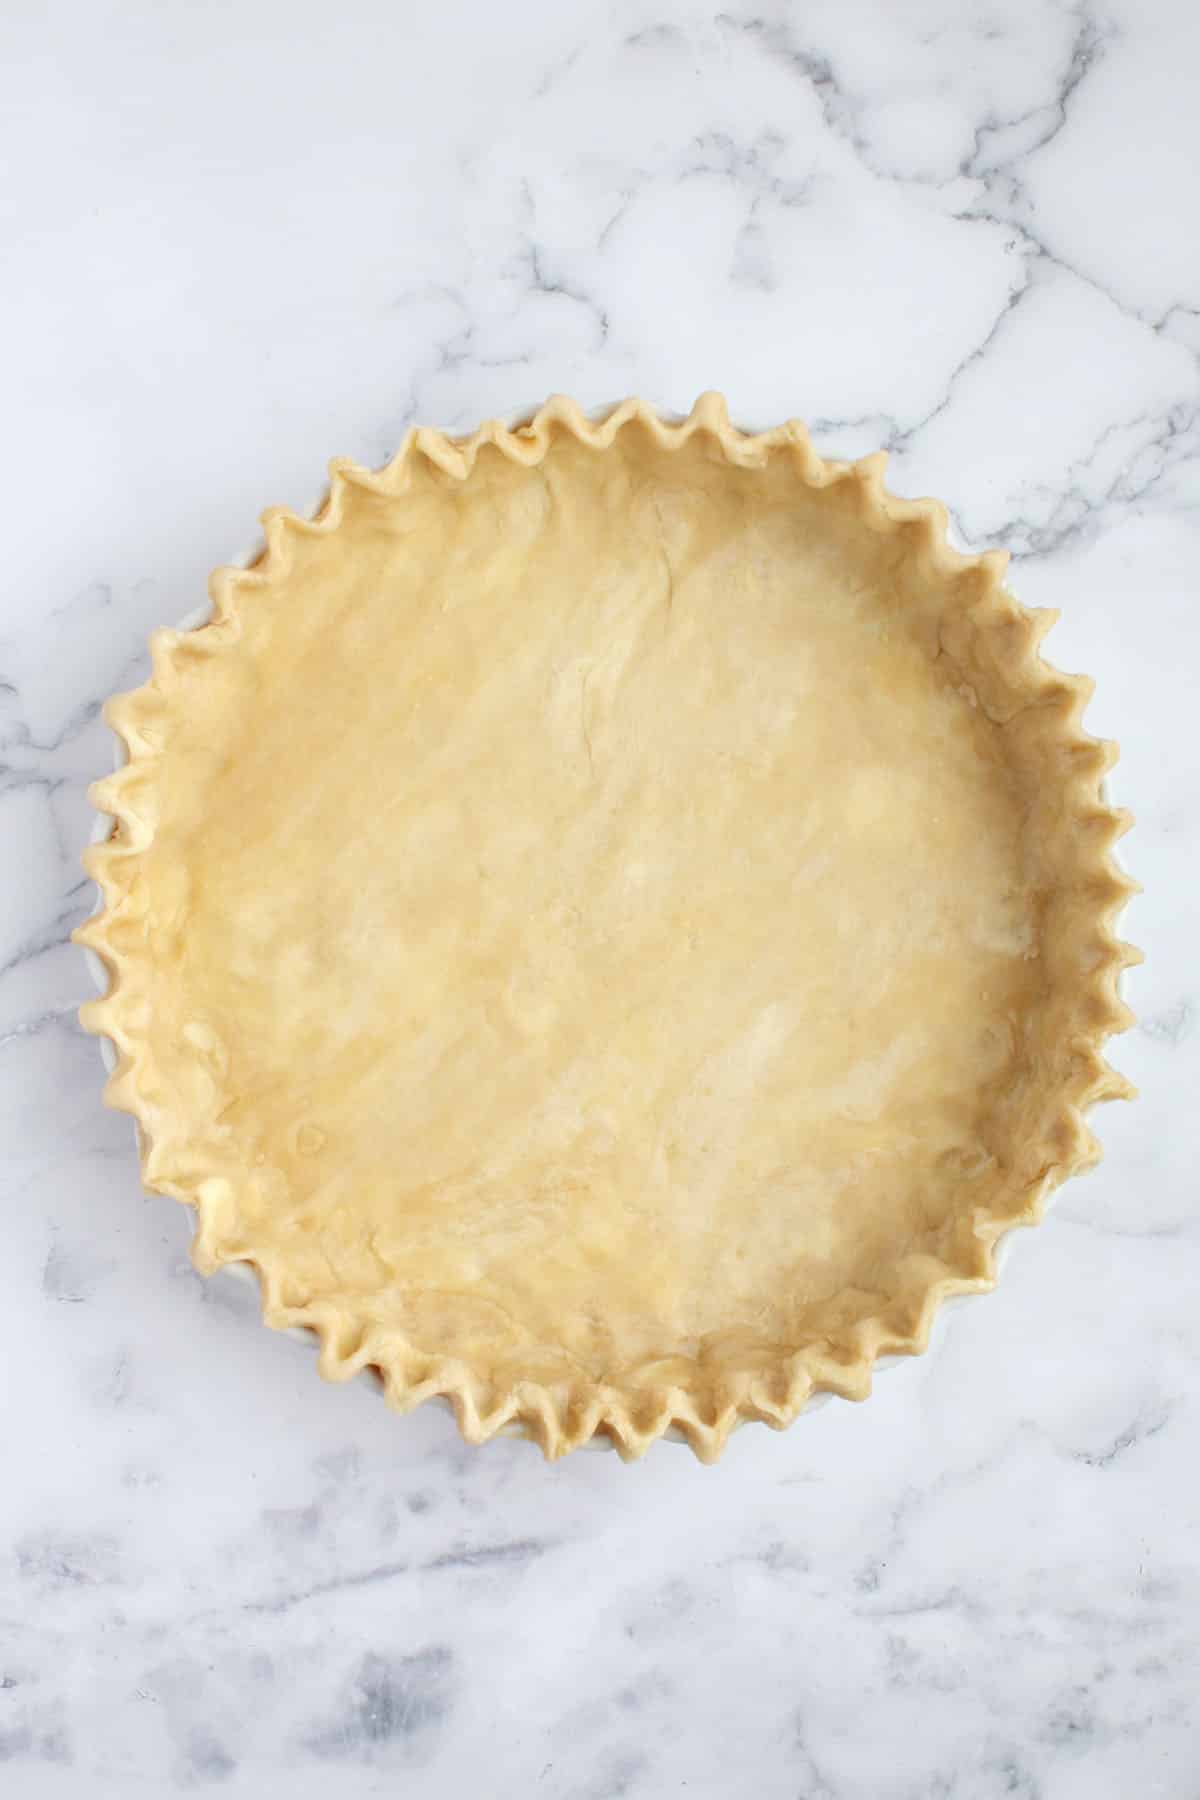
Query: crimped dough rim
[[697, 1403]]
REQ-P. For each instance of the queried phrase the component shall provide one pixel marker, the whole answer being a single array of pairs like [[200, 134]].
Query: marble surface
[[244, 238]]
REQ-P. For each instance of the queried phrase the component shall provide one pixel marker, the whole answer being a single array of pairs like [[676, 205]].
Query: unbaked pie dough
[[612, 921]]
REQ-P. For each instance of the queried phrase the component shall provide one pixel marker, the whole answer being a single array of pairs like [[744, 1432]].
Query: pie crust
[[612, 920]]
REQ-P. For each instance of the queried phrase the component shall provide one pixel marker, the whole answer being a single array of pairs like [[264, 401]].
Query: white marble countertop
[[241, 239]]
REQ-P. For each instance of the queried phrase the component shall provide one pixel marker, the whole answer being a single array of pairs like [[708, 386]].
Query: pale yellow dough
[[613, 921]]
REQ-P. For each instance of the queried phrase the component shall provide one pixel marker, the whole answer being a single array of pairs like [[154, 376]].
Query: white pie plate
[[243, 1272]]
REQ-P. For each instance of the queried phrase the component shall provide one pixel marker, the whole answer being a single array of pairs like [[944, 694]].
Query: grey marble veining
[[245, 239]]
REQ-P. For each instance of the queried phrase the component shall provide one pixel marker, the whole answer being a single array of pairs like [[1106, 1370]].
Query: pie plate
[[611, 921]]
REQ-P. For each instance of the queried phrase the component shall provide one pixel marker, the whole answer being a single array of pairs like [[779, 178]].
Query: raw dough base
[[613, 921]]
